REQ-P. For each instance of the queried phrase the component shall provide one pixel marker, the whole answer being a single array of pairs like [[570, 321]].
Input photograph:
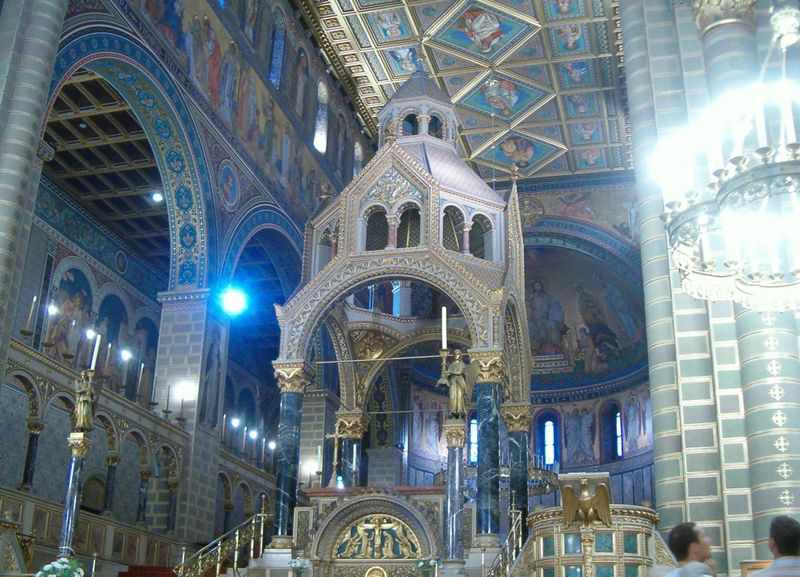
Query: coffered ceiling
[[104, 161], [535, 81]]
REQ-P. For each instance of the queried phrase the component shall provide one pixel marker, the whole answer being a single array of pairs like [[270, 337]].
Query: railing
[[504, 562], [215, 554]]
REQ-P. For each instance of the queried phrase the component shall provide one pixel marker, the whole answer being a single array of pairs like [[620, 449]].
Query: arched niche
[[452, 228], [376, 229], [158, 105], [481, 237]]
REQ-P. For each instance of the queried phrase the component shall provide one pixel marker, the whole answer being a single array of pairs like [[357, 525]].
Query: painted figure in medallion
[[482, 27], [501, 95]]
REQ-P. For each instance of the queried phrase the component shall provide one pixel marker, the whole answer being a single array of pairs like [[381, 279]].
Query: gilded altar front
[[378, 537]]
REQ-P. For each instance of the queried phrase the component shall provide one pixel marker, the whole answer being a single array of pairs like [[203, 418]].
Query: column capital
[[490, 364], [112, 459], [351, 425], [145, 474], [517, 417], [35, 426], [79, 444], [292, 377], [455, 431], [711, 13]]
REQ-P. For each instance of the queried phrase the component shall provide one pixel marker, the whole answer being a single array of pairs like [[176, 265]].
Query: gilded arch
[[331, 527], [156, 101]]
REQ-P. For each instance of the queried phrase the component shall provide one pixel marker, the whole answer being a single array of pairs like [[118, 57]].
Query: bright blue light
[[233, 301]]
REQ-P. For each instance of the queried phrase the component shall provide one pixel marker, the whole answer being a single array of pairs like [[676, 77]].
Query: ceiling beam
[[78, 112], [94, 142], [150, 234], [108, 169], [120, 192], [147, 213]]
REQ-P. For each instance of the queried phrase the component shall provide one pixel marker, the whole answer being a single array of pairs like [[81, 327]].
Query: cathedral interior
[[383, 288]]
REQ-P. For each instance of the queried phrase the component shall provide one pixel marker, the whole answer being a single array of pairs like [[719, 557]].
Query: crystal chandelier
[[731, 186]]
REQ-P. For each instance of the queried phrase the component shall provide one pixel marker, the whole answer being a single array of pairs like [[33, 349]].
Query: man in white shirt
[[784, 543], [692, 551]]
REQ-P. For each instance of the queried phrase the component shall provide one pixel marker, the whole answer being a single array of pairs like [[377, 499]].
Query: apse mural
[[70, 315], [482, 31], [585, 324]]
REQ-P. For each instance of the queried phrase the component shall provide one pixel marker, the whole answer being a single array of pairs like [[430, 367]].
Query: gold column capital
[[491, 367], [351, 425], [112, 459], [455, 431], [292, 377], [79, 444], [517, 417], [711, 13], [35, 426]]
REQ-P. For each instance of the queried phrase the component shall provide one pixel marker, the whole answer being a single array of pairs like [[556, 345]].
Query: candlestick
[[319, 457], [244, 440], [29, 323], [169, 392], [96, 352], [108, 357], [139, 379], [444, 328]]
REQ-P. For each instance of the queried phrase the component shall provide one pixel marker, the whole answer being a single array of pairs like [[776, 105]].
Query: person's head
[[784, 537], [688, 543]]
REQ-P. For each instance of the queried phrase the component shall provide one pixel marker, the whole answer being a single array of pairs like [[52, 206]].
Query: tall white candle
[[444, 328], [29, 324], [139, 378], [96, 351], [319, 457]]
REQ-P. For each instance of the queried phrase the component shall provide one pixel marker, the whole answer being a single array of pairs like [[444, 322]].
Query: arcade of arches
[[366, 284]]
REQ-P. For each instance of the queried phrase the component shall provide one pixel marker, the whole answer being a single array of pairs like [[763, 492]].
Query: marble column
[[394, 223], [465, 238], [292, 380], [640, 68], [351, 430], [488, 392], [112, 460], [29, 35], [79, 447], [144, 485], [770, 368], [517, 418], [729, 45], [456, 435], [35, 427]]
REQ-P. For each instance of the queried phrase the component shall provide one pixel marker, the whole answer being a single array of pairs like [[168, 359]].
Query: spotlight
[[253, 434], [91, 334], [233, 301], [235, 422], [125, 355], [339, 482], [272, 445], [52, 309], [157, 197]]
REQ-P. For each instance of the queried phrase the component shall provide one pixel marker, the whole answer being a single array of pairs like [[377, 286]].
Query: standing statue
[[84, 404], [456, 376]]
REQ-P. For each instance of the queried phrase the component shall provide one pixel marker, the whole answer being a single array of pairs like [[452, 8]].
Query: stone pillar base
[[453, 568], [486, 541], [281, 542]]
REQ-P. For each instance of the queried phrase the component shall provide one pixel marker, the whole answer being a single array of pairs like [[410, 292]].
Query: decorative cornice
[[183, 296], [455, 431], [517, 417], [712, 13], [292, 377]]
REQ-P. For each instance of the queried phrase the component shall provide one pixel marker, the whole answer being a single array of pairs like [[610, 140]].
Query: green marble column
[[768, 354], [518, 422], [29, 35]]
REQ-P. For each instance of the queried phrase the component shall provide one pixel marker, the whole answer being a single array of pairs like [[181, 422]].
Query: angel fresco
[[502, 95], [482, 28]]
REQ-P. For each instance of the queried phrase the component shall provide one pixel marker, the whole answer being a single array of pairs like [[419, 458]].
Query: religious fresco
[[581, 427], [238, 93], [390, 25], [429, 411], [402, 60], [142, 367], [378, 536], [228, 185], [612, 207], [502, 96], [586, 325], [520, 151], [112, 326], [482, 31], [73, 312], [569, 39]]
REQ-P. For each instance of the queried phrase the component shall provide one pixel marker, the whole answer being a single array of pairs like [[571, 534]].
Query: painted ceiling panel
[[536, 82]]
